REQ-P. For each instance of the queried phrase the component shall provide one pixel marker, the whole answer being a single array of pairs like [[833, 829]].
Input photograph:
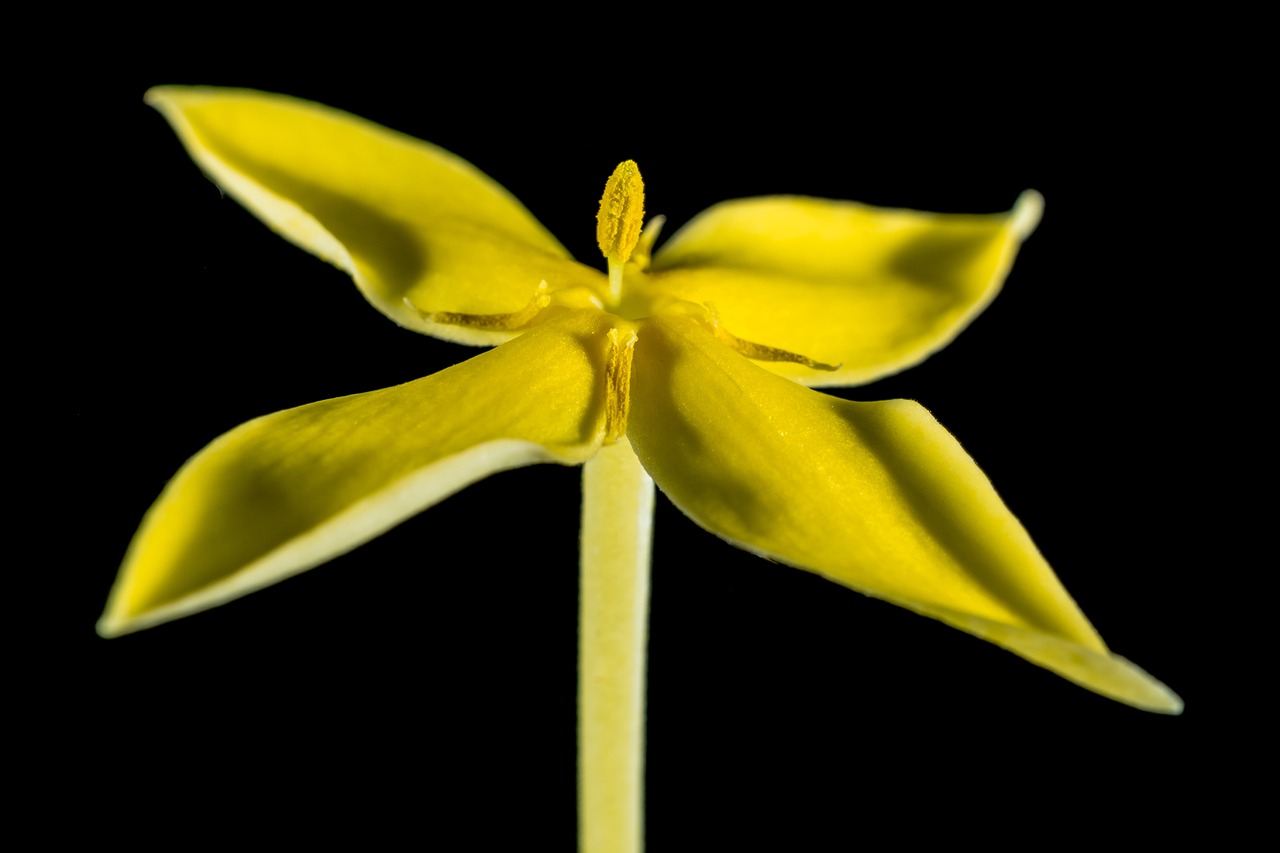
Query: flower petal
[[871, 289], [403, 217], [288, 491], [875, 496]]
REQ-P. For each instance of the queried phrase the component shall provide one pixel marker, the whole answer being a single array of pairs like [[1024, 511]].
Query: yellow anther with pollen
[[506, 322], [617, 382], [759, 352], [621, 212], [618, 222]]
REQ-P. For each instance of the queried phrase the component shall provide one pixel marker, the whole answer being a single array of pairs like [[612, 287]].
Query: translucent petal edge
[[1106, 674], [1022, 220], [341, 533], [304, 230]]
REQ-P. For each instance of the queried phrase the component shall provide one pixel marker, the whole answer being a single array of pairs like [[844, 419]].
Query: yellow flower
[[691, 364]]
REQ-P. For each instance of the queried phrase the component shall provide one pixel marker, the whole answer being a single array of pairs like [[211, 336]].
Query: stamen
[[648, 236], [621, 212], [617, 383], [514, 320], [760, 352]]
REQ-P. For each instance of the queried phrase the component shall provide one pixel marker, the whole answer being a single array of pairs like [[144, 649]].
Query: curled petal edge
[[877, 497], [405, 219], [288, 491], [340, 534], [871, 290]]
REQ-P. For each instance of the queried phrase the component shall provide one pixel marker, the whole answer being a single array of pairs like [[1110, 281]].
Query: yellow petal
[[875, 496], [871, 289], [288, 491], [403, 217]]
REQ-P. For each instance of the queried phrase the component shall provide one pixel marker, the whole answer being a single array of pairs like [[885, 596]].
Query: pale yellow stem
[[617, 528]]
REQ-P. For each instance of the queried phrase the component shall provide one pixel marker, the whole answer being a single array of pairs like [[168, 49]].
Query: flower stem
[[617, 527]]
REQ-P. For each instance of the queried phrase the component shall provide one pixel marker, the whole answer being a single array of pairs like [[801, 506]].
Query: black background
[[426, 681]]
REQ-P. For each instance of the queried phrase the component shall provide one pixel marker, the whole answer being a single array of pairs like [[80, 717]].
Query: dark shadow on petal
[[944, 503], [924, 478], [672, 449], [371, 237], [936, 259]]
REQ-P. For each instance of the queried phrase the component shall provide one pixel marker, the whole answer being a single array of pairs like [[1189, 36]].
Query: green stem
[[617, 528]]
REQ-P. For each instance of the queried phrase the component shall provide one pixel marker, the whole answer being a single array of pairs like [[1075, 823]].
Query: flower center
[[618, 233], [618, 222]]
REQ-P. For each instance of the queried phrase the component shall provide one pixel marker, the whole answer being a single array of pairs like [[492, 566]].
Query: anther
[[617, 383], [621, 212], [496, 322], [759, 352]]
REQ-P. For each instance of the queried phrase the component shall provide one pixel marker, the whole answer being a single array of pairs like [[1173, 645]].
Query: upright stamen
[[618, 222]]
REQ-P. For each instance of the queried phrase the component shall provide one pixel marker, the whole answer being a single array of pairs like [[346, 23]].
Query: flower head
[[696, 354], [689, 364]]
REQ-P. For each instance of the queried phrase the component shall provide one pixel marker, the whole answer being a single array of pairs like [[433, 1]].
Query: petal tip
[[1152, 694], [1112, 676], [158, 96], [110, 626], [1026, 213]]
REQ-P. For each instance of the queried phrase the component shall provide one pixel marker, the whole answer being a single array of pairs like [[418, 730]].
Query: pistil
[[618, 222]]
